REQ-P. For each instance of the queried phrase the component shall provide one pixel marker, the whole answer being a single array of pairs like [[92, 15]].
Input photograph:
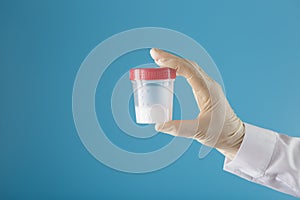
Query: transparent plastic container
[[153, 94]]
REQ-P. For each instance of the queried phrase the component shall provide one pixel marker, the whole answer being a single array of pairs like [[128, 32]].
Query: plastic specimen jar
[[153, 94]]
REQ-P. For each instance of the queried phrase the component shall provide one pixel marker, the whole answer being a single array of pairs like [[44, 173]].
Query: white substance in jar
[[152, 115]]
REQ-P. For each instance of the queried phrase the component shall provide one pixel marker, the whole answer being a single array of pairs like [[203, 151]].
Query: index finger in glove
[[195, 76]]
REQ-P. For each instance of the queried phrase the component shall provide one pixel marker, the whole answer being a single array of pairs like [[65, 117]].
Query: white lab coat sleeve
[[268, 158]]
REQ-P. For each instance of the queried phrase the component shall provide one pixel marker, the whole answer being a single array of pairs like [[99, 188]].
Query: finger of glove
[[164, 59], [182, 128], [195, 76]]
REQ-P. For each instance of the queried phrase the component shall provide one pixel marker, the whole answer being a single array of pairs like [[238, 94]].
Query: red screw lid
[[152, 73]]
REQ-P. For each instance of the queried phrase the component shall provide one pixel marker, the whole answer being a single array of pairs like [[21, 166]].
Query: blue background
[[255, 44]]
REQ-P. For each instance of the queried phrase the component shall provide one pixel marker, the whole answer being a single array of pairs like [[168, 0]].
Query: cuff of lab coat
[[254, 155]]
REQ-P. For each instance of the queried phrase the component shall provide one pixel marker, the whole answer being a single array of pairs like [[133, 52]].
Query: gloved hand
[[216, 125]]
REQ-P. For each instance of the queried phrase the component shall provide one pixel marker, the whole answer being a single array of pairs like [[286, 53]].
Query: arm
[[253, 153], [268, 158]]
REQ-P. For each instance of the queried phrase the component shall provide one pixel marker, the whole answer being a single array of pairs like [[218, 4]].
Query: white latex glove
[[216, 125]]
